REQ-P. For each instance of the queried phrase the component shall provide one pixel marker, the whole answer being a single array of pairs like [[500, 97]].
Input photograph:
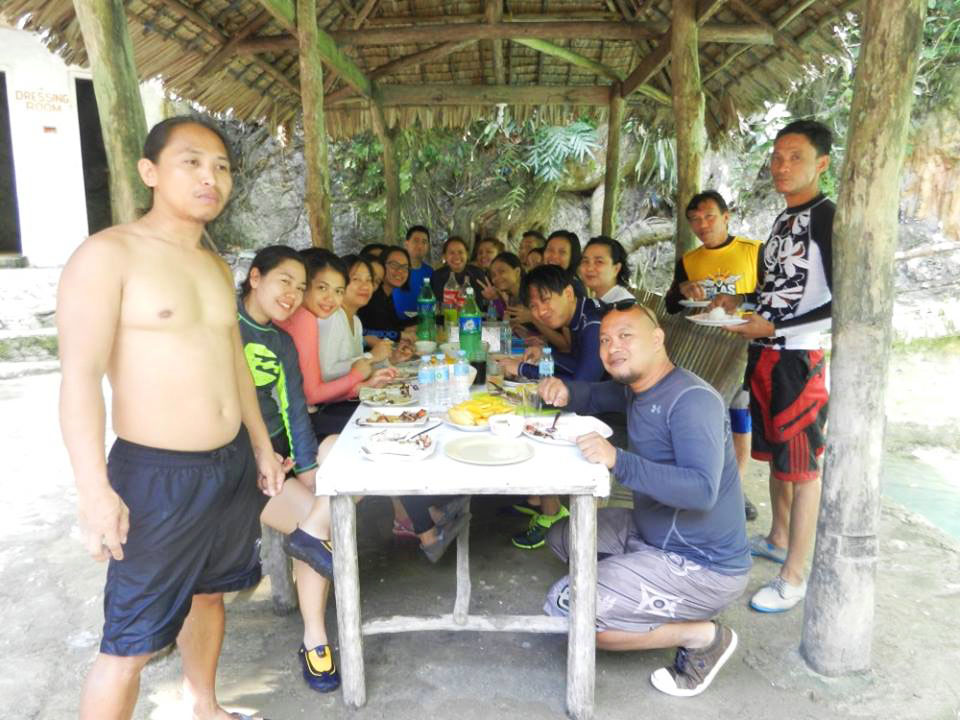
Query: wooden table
[[551, 470]]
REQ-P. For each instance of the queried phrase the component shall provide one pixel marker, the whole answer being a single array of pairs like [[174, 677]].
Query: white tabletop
[[553, 469]]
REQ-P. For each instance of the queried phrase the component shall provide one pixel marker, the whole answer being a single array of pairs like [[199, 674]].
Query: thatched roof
[[429, 67]]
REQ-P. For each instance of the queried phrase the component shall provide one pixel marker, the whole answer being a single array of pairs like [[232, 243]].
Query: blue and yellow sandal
[[319, 670]]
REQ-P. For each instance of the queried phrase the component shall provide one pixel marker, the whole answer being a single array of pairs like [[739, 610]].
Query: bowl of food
[[506, 425], [425, 347]]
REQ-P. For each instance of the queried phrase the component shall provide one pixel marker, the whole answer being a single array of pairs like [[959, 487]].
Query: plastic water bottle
[[426, 312], [471, 327], [441, 385], [506, 338], [546, 363], [461, 378], [426, 380], [492, 313]]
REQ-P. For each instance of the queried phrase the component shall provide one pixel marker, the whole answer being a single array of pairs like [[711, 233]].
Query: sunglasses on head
[[622, 305]]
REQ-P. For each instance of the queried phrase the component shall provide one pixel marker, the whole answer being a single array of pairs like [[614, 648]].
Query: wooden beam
[[284, 13], [611, 175], [688, 112], [417, 34], [315, 152], [570, 56], [493, 14], [437, 52], [655, 61], [365, 11], [325, 46], [430, 95], [391, 174], [117, 89], [780, 38], [226, 53], [789, 17], [839, 608], [557, 14]]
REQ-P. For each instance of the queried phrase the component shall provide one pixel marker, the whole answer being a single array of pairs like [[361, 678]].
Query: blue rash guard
[[680, 466]]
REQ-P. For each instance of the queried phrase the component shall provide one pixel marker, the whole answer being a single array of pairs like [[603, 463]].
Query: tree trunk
[[315, 154], [839, 607], [391, 175], [688, 111], [611, 179], [104, 28]]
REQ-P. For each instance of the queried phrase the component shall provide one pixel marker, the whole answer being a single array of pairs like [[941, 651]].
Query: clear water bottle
[[506, 338], [461, 378], [546, 363], [441, 385], [426, 380]]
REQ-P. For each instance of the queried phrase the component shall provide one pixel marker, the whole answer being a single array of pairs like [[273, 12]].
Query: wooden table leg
[[346, 584], [582, 640], [461, 607]]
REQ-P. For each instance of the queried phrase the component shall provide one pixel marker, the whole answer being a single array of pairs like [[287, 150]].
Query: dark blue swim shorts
[[194, 528]]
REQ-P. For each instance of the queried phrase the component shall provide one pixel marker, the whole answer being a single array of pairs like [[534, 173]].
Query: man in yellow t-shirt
[[724, 263]]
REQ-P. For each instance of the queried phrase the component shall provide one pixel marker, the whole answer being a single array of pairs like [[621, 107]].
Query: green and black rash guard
[[272, 359]]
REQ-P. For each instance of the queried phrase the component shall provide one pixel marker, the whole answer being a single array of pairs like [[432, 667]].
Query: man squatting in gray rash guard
[[681, 555]]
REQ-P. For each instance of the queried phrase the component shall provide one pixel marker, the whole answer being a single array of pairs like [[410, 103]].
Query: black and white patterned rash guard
[[795, 276]]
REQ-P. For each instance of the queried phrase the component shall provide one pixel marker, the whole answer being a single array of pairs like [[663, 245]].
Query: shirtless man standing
[[176, 508]]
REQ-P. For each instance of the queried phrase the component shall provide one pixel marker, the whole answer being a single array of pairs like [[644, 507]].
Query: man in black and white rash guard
[[786, 367]]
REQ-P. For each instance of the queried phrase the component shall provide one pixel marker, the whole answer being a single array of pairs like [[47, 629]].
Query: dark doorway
[[9, 215], [96, 175]]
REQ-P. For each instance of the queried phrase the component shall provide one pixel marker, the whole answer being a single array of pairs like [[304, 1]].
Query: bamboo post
[[315, 154], [346, 586], [582, 637], [611, 176], [461, 606], [103, 25], [688, 112], [839, 607], [391, 174]]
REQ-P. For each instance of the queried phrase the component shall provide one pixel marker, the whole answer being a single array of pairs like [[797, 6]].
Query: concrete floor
[[51, 595]]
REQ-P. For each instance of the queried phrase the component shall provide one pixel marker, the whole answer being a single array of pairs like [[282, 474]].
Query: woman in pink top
[[326, 281]]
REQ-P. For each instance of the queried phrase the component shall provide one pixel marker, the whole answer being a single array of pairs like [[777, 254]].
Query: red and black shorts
[[788, 407]]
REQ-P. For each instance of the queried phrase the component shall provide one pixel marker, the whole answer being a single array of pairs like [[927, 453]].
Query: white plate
[[687, 302], [465, 428], [488, 450], [364, 421], [390, 452], [569, 427], [705, 319], [410, 313], [386, 397]]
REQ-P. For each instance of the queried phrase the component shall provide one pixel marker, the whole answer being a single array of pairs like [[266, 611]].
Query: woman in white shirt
[[604, 270], [340, 336]]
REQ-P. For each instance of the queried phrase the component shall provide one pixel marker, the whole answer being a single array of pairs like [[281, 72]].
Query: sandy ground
[[51, 600]]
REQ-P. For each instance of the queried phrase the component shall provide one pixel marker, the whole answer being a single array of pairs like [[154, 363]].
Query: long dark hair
[[617, 255], [267, 259], [319, 259], [573, 241]]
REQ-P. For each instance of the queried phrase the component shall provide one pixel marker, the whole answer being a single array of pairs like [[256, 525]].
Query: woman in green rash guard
[[271, 293]]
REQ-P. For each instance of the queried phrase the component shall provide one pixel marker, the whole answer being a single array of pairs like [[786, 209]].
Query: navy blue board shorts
[[194, 528]]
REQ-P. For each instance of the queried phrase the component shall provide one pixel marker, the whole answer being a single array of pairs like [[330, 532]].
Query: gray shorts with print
[[640, 587]]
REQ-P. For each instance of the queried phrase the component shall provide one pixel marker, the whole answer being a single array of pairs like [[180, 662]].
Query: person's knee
[[203, 601], [124, 667]]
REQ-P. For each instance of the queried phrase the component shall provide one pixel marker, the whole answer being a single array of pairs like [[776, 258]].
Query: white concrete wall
[[46, 147], [48, 166]]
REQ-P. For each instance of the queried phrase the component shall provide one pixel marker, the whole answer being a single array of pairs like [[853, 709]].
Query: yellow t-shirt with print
[[730, 269]]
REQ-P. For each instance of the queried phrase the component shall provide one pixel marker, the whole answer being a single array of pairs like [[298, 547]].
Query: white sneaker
[[778, 596]]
